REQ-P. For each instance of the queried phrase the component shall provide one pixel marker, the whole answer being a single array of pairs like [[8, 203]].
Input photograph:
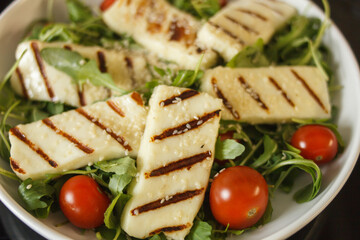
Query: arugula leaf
[[200, 231], [78, 11], [187, 78], [270, 147], [250, 57], [160, 236], [306, 193], [37, 196], [118, 183], [125, 165], [81, 70], [206, 8], [228, 149], [199, 8]]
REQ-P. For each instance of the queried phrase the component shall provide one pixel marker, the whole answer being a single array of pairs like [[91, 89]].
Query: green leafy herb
[[250, 57], [199, 8], [81, 70], [37, 196], [187, 78], [206, 8], [125, 165], [270, 147], [78, 11], [200, 231], [228, 149]]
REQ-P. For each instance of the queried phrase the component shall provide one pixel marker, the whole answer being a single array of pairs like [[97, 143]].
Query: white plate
[[288, 216]]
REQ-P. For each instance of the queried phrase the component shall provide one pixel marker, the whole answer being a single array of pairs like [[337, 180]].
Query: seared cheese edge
[[128, 70], [242, 23], [159, 185], [269, 95], [78, 138], [161, 29]]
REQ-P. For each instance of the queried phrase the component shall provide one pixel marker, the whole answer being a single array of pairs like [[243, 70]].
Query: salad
[[267, 153]]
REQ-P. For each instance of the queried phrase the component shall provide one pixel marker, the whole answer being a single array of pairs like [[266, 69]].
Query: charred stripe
[[118, 138], [179, 165], [179, 197], [177, 98], [22, 137], [188, 126], [77, 143]]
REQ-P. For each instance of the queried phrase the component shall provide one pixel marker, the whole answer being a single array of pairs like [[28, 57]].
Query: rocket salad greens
[[265, 148]]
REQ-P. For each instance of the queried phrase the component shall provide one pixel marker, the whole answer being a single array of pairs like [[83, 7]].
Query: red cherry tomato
[[222, 3], [82, 202], [316, 142], [227, 135], [238, 197], [106, 4]]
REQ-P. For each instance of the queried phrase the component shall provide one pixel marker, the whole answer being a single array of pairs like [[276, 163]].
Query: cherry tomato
[[316, 142], [222, 3], [238, 197], [106, 4], [82, 202], [227, 135]]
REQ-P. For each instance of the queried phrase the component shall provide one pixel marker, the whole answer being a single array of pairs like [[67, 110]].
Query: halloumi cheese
[[162, 29], [174, 161], [80, 137], [269, 94], [241, 23], [37, 80]]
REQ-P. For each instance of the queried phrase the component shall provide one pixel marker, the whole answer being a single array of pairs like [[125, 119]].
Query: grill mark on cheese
[[102, 61], [242, 25], [181, 32], [22, 137], [310, 91], [179, 164], [41, 66], [130, 68], [81, 95], [22, 83], [77, 143], [170, 229], [137, 98], [283, 93], [270, 8], [141, 8], [118, 138], [227, 32], [177, 98], [179, 197], [226, 102], [68, 47], [15, 166], [253, 14], [115, 108], [185, 127], [248, 89]]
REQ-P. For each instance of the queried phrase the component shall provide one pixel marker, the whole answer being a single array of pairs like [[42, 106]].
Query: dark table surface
[[340, 220]]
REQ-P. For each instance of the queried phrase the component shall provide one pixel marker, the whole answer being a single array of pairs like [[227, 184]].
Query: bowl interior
[[288, 216]]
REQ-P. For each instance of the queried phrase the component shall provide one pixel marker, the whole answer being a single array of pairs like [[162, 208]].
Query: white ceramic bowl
[[288, 216]]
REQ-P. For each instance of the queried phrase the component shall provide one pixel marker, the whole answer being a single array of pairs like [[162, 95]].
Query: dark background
[[340, 220]]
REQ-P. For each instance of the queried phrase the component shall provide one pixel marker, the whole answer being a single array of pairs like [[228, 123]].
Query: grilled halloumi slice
[[37, 80], [73, 139], [242, 23], [174, 162], [162, 29], [269, 95]]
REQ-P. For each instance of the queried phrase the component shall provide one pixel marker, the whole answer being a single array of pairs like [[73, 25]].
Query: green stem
[[253, 150], [9, 174]]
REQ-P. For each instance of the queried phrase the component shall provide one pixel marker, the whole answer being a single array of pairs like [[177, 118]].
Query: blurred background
[[340, 220]]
